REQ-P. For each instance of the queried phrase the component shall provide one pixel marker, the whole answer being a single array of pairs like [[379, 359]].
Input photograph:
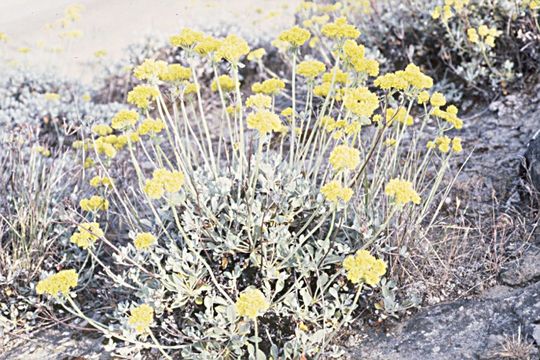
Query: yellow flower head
[[150, 69], [144, 240], [207, 45], [472, 35], [364, 267], [339, 76], [269, 87], [437, 99], [400, 115], [443, 142], [360, 101], [97, 181], [251, 303], [141, 95], [124, 118], [232, 48], [150, 126], [61, 282], [295, 36], [456, 145], [94, 203], [256, 55], [310, 68], [102, 129], [264, 121], [259, 101], [402, 191], [333, 191], [175, 73], [340, 29], [186, 38], [423, 97], [226, 83], [141, 318], [87, 234], [344, 157], [163, 181]]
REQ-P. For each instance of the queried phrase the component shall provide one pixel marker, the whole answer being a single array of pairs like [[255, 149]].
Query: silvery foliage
[[23, 103], [298, 267]]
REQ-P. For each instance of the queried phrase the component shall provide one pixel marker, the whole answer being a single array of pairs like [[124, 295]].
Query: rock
[[523, 270], [466, 329], [532, 161]]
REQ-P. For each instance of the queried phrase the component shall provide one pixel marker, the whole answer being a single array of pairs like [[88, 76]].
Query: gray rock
[[532, 160], [466, 329], [523, 270]]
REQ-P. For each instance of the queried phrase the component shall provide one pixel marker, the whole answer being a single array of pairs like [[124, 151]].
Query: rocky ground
[[501, 322]]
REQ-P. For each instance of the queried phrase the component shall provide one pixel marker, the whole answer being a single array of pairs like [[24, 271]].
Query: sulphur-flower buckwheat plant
[[254, 217]]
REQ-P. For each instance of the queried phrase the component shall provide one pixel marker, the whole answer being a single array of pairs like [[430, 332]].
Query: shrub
[[224, 225]]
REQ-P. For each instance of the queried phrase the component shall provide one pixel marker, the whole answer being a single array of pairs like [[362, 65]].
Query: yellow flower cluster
[[323, 90], [402, 191], [86, 235], [340, 30], [186, 38], [444, 144], [339, 76], [310, 68], [256, 54], [150, 69], [232, 48], [532, 4], [102, 129], [344, 157], [268, 87], [150, 126], [97, 181], [402, 79], [264, 121], [445, 12], [226, 83], [207, 45], [364, 267], [190, 88], [163, 181], [450, 115], [141, 318], [3, 37], [175, 73], [141, 95], [354, 54], [333, 191], [94, 203], [484, 34], [124, 119], [400, 115], [361, 101], [61, 282], [41, 150], [251, 303], [259, 101], [144, 240], [295, 36]]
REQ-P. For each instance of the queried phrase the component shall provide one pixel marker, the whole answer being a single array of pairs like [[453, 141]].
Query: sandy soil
[[113, 24]]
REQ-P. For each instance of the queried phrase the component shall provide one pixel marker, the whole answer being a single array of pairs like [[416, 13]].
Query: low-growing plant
[[248, 229], [485, 47]]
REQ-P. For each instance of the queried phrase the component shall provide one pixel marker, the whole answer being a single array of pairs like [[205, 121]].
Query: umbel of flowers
[[238, 220]]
